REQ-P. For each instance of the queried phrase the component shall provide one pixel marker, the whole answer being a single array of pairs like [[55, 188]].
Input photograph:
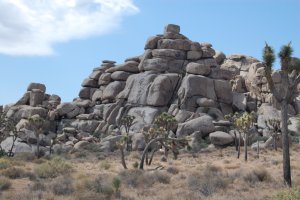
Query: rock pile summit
[[187, 79]]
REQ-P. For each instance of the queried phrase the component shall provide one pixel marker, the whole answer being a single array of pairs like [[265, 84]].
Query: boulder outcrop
[[187, 79]]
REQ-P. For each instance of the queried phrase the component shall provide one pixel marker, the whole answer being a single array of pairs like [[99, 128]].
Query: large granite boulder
[[88, 126], [266, 112], [203, 124], [113, 89], [25, 112], [150, 89], [220, 138], [162, 89], [223, 91], [169, 54], [38, 86], [197, 69], [19, 146], [144, 116]]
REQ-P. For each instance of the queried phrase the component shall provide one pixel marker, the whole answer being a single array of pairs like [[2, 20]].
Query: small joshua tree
[[36, 124], [121, 145], [127, 122], [149, 135], [53, 141], [274, 126], [237, 141], [116, 182], [160, 135], [244, 124], [166, 121]]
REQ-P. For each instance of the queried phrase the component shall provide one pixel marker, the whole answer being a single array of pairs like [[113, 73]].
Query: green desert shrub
[[116, 182], [4, 163], [135, 165], [4, 183], [105, 165], [290, 194], [53, 168]]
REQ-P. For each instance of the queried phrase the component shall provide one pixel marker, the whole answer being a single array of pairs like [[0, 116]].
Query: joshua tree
[[161, 140], [274, 126], [244, 124], [36, 124], [237, 141], [160, 135], [284, 95], [166, 121], [150, 134], [53, 141], [121, 144], [127, 122]]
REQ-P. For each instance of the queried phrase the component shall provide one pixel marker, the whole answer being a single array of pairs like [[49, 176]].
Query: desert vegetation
[[207, 175]]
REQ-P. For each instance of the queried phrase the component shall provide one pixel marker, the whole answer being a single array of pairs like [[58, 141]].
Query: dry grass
[[62, 186], [4, 183], [209, 181], [53, 168], [14, 173], [211, 175]]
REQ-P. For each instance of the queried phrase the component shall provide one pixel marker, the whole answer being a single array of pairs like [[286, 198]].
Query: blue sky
[[59, 44]]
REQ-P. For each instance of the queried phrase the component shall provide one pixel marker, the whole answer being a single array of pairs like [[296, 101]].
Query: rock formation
[[187, 79]]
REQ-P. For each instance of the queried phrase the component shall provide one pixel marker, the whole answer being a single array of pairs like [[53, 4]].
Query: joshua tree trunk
[[123, 158], [38, 146], [257, 148], [275, 141], [166, 152], [146, 150], [152, 155], [50, 150], [246, 146], [128, 142], [239, 147], [10, 153], [147, 159], [285, 143], [161, 140], [235, 141]]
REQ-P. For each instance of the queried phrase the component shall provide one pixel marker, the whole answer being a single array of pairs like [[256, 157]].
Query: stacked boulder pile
[[174, 75], [34, 102], [187, 79]]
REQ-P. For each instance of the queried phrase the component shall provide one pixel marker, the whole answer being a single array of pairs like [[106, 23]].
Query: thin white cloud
[[31, 27]]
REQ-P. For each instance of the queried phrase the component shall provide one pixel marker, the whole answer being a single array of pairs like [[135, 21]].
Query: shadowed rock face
[[187, 79]]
